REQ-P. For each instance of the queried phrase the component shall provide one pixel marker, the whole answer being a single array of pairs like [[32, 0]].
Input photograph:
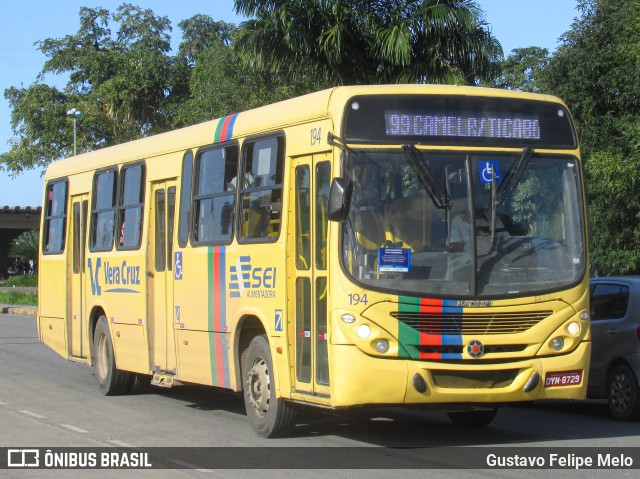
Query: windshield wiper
[[441, 199], [514, 175]]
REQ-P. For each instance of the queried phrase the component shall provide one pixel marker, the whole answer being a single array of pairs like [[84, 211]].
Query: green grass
[[18, 298], [21, 280]]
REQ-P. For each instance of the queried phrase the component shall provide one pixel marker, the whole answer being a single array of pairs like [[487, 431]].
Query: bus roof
[[322, 104]]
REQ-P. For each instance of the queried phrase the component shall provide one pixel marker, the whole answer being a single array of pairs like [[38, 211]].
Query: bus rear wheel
[[270, 416], [111, 380], [473, 418]]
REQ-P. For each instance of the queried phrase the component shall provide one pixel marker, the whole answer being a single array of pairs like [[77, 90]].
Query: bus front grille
[[473, 379], [458, 349], [471, 323]]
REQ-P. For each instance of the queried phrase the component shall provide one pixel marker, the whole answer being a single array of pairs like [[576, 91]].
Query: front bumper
[[358, 379]]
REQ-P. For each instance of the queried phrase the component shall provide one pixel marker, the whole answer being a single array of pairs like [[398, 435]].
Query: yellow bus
[[407, 245]]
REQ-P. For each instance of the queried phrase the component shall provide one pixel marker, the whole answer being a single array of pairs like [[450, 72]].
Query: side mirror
[[339, 199]]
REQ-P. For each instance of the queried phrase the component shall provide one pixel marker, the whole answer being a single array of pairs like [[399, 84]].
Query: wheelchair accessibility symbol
[[178, 265], [487, 169]]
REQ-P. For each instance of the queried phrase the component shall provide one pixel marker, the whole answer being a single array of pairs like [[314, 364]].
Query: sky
[[515, 23]]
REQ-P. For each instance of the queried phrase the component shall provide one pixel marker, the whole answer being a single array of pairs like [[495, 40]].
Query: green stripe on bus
[[408, 336], [216, 137]]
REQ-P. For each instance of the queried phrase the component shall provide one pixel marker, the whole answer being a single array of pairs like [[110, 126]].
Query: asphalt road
[[46, 401]]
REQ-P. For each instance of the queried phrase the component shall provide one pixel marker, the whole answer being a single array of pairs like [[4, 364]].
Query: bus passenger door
[[162, 350], [307, 281], [76, 303]]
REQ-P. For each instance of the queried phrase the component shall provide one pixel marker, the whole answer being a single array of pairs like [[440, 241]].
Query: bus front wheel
[[111, 380], [270, 416], [472, 418]]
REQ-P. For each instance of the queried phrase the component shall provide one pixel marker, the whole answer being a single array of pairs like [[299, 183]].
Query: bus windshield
[[475, 225]]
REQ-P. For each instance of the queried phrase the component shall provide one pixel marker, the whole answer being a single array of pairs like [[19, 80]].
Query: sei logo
[[251, 282]]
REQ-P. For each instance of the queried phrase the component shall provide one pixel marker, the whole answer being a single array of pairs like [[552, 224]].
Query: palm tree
[[25, 247], [369, 41]]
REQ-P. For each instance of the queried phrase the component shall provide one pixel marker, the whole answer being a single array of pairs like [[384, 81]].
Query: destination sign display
[[458, 120], [487, 125]]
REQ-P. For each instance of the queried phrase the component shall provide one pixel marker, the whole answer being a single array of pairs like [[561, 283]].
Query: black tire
[[111, 380], [623, 394], [472, 418], [270, 416]]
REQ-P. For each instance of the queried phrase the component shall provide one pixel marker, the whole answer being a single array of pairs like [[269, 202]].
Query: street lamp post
[[75, 114]]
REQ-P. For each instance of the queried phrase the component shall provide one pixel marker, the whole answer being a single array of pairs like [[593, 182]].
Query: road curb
[[18, 310]]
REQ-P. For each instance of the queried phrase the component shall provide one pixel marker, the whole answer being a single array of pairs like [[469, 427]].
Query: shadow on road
[[538, 422]]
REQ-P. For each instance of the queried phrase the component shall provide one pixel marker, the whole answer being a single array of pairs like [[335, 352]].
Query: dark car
[[615, 354]]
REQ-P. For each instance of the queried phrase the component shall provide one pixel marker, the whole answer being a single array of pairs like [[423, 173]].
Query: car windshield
[[465, 225]]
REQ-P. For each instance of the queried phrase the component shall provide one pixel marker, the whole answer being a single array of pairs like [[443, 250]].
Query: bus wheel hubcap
[[259, 387]]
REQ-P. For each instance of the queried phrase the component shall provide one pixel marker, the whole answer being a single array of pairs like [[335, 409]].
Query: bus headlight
[[557, 343], [382, 346], [364, 331], [573, 328]]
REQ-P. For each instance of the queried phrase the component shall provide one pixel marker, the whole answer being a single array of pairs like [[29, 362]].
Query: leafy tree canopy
[[596, 72], [614, 210], [213, 79], [39, 122], [364, 41], [124, 76], [25, 246], [119, 82], [523, 70], [127, 84]]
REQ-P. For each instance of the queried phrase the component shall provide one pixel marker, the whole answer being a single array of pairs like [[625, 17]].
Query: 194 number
[[316, 136], [355, 299]]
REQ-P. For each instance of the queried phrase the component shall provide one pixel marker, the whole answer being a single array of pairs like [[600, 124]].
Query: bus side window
[[323, 181], [261, 192], [130, 207], [55, 218], [186, 183], [103, 210], [214, 198]]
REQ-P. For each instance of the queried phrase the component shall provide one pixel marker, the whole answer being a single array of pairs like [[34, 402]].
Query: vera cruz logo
[[96, 290], [118, 277], [251, 282]]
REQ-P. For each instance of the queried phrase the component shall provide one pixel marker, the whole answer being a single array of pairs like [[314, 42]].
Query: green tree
[[596, 72], [523, 70], [126, 74], [213, 79], [614, 211], [219, 85], [25, 247], [365, 41], [119, 81], [40, 126], [128, 85], [200, 33]]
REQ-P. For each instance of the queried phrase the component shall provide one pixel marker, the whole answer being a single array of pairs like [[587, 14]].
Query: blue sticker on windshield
[[397, 260], [488, 168]]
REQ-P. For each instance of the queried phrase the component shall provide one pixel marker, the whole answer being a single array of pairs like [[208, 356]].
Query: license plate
[[563, 378]]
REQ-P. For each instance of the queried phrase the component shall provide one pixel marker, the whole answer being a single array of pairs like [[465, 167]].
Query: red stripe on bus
[[217, 298], [224, 134], [428, 305]]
